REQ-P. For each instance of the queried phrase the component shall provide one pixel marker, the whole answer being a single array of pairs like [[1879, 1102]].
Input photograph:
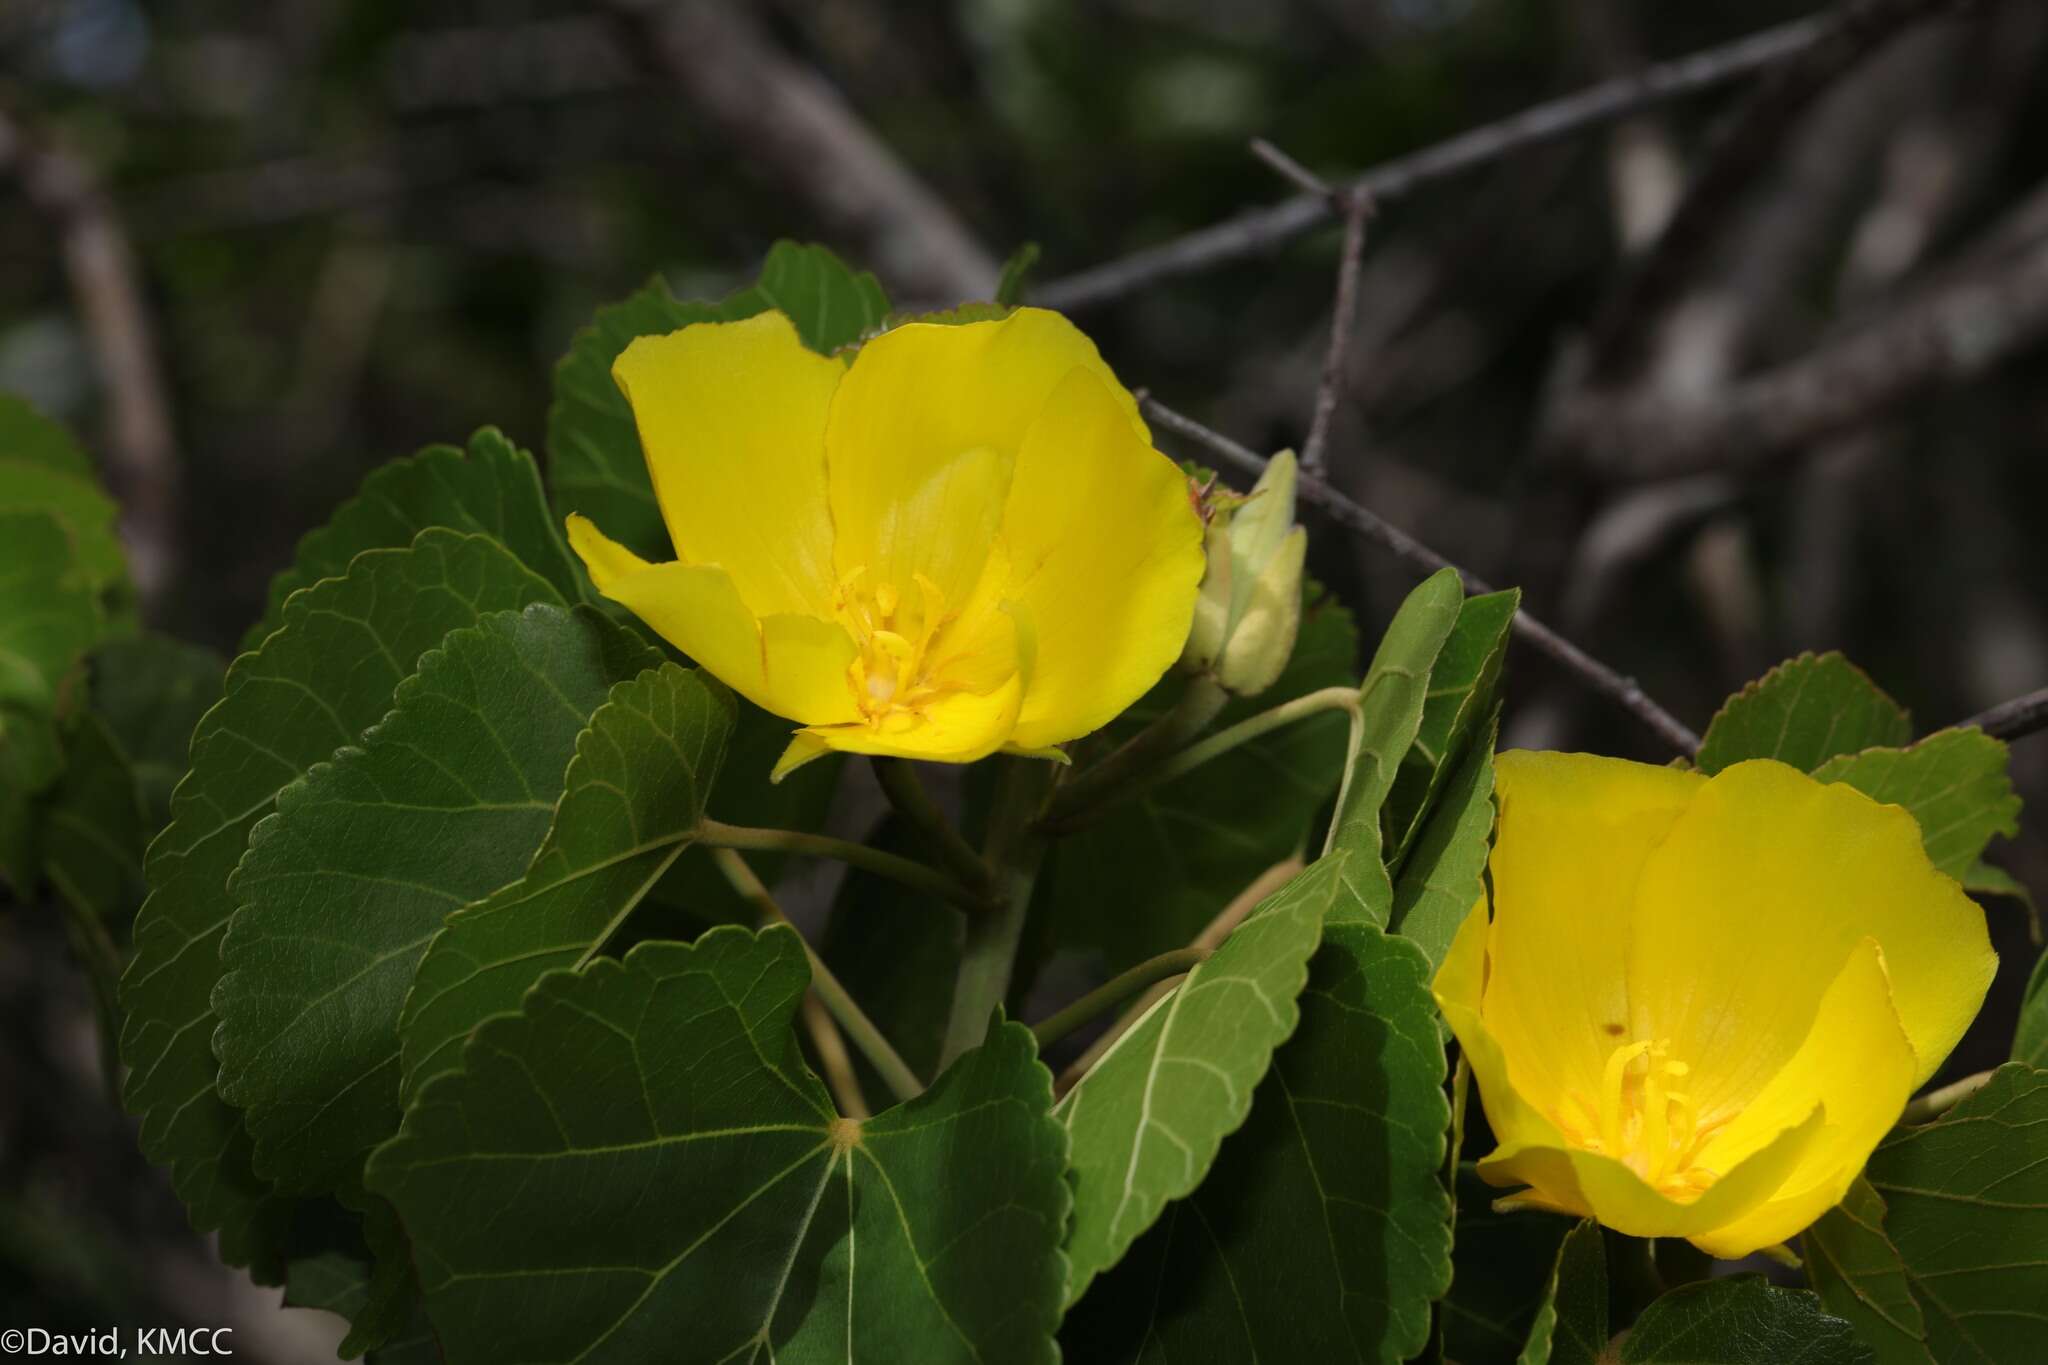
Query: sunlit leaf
[[1323, 1230], [1392, 700], [42, 469], [1464, 690], [1955, 784], [1804, 712], [1146, 1121]]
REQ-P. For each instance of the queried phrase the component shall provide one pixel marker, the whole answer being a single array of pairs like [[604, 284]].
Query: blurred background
[[250, 252]]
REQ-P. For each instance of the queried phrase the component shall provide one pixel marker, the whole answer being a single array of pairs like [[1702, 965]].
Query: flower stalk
[[1015, 850], [908, 871], [908, 795]]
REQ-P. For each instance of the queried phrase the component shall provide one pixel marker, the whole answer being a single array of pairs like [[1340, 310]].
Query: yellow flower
[[1700, 1002], [961, 541]]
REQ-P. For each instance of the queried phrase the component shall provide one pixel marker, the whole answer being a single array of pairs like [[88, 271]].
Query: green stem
[[1215, 746], [1935, 1103], [1632, 1270], [989, 955], [894, 1071], [914, 803], [1115, 991], [908, 871], [1190, 715]]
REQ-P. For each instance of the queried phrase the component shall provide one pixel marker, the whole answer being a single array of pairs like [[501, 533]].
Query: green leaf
[[49, 609], [315, 685], [491, 489], [1966, 1205], [1570, 1325], [1444, 875], [1804, 712], [1953, 782], [694, 889], [1746, 1320], [631, 803], [43, 469], [1323, 1230], [2030, 1043], [1010, 285], [150, 691], [1392, 700], [1853, 1265], [31, 758], [659, 1167], [444, 802], [93, 827], [124, 752], [1464, 688], [1156, 869], [1503, 1267], [595, 465], [1146, 1122]]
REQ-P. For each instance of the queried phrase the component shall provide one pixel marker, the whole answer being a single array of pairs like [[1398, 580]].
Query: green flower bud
[[1250, 604]]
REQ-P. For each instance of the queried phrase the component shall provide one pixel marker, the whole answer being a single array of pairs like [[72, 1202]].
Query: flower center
[[894, 631], [1644, 1118]]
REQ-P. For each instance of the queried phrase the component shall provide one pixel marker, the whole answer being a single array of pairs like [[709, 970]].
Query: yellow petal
[[1752, 906], [1575, 832], [1105, 548], [792, 665], [1578, 1181], [919, 398], [1858, 1063], [958, 728], [732, 418], [1563, 1176], [1459, 988]]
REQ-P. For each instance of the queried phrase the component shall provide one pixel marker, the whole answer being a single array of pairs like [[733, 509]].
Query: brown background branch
[[105, 281], [785, 121]]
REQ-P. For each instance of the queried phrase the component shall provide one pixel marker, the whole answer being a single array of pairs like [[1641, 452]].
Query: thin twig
[[1853, 30], [1264, 229], [1357, 208], [888, 1064], [142, 457], [1358, 211], [1348, 513], [2012, 719]]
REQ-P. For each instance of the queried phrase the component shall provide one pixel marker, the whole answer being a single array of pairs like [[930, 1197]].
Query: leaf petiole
[[911, 873], [888, 1063], [1116, 990]]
